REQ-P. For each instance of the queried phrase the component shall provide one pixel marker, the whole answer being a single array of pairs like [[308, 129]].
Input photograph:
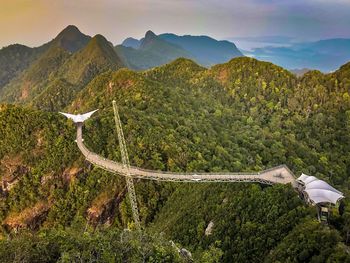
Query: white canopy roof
[[319, 191], [79, 117]]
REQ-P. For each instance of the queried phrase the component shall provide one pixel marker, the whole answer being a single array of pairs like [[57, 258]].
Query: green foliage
[[100, 246], [248, 221], [310, 242], [244, 115], [52, 80], [36, 77], [14, 59]]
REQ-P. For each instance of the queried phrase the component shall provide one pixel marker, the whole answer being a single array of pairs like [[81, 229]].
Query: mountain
[[71, 60], [153, 50], [131, 42], [325, 55], [35, 78], [70, 39], [206, 50], [13, 60], [96, 57], [328, 46], [16, 58], [161, 50]]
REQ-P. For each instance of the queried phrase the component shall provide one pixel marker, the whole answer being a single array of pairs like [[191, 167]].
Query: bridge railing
[[213, 173], [173, 176]]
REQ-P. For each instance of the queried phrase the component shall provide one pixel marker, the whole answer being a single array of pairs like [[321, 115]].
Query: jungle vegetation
[[244, 115]]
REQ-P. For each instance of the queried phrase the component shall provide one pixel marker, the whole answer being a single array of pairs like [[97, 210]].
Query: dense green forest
[[244, 115]]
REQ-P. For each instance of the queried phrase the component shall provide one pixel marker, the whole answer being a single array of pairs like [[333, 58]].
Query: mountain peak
[[99, 38], [149, 39], [71, 29], [150, 34], [71, 39], [99, 47]]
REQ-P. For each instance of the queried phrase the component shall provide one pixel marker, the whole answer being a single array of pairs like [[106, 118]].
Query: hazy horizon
[[34, 22]]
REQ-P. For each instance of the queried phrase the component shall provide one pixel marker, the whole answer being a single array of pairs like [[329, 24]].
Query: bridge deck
[[280, 174]]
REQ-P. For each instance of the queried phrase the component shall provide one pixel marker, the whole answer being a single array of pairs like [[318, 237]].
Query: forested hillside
[[58, 69], [244, 115], [15, 59]]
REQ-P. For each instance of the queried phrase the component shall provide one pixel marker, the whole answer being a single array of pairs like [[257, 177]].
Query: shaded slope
[[70, 39], [98, 56], [131, 42], [34, 79], [248, 220], [41, 65], [13, 60], [52, 81]]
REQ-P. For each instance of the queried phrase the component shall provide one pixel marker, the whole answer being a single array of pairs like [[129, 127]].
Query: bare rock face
[[12, 169], [209, 229], [30, 218], [102, 210], [71, 173]]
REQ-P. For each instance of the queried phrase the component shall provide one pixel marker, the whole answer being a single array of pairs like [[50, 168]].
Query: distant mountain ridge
[[206, 50], [131, 42], [153, 50]]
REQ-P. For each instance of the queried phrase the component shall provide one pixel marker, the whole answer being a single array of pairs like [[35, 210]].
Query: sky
[[34, 22]]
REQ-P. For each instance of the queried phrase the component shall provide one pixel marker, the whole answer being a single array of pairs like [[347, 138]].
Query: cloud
[[33, 22]]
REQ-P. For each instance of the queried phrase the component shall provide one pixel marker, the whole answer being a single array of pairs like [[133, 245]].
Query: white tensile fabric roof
[[79, 117], [319, 191]]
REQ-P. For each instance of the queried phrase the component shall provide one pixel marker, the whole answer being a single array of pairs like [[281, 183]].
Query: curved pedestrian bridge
[[276, 175]]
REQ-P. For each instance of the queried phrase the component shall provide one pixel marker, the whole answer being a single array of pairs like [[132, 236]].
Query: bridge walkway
[[276, 175]]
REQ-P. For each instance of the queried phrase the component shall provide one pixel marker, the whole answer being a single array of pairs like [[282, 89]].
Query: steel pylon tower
[[126, 164]]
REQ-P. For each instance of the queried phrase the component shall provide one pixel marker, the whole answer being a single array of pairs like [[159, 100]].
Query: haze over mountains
[[325, 55]]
